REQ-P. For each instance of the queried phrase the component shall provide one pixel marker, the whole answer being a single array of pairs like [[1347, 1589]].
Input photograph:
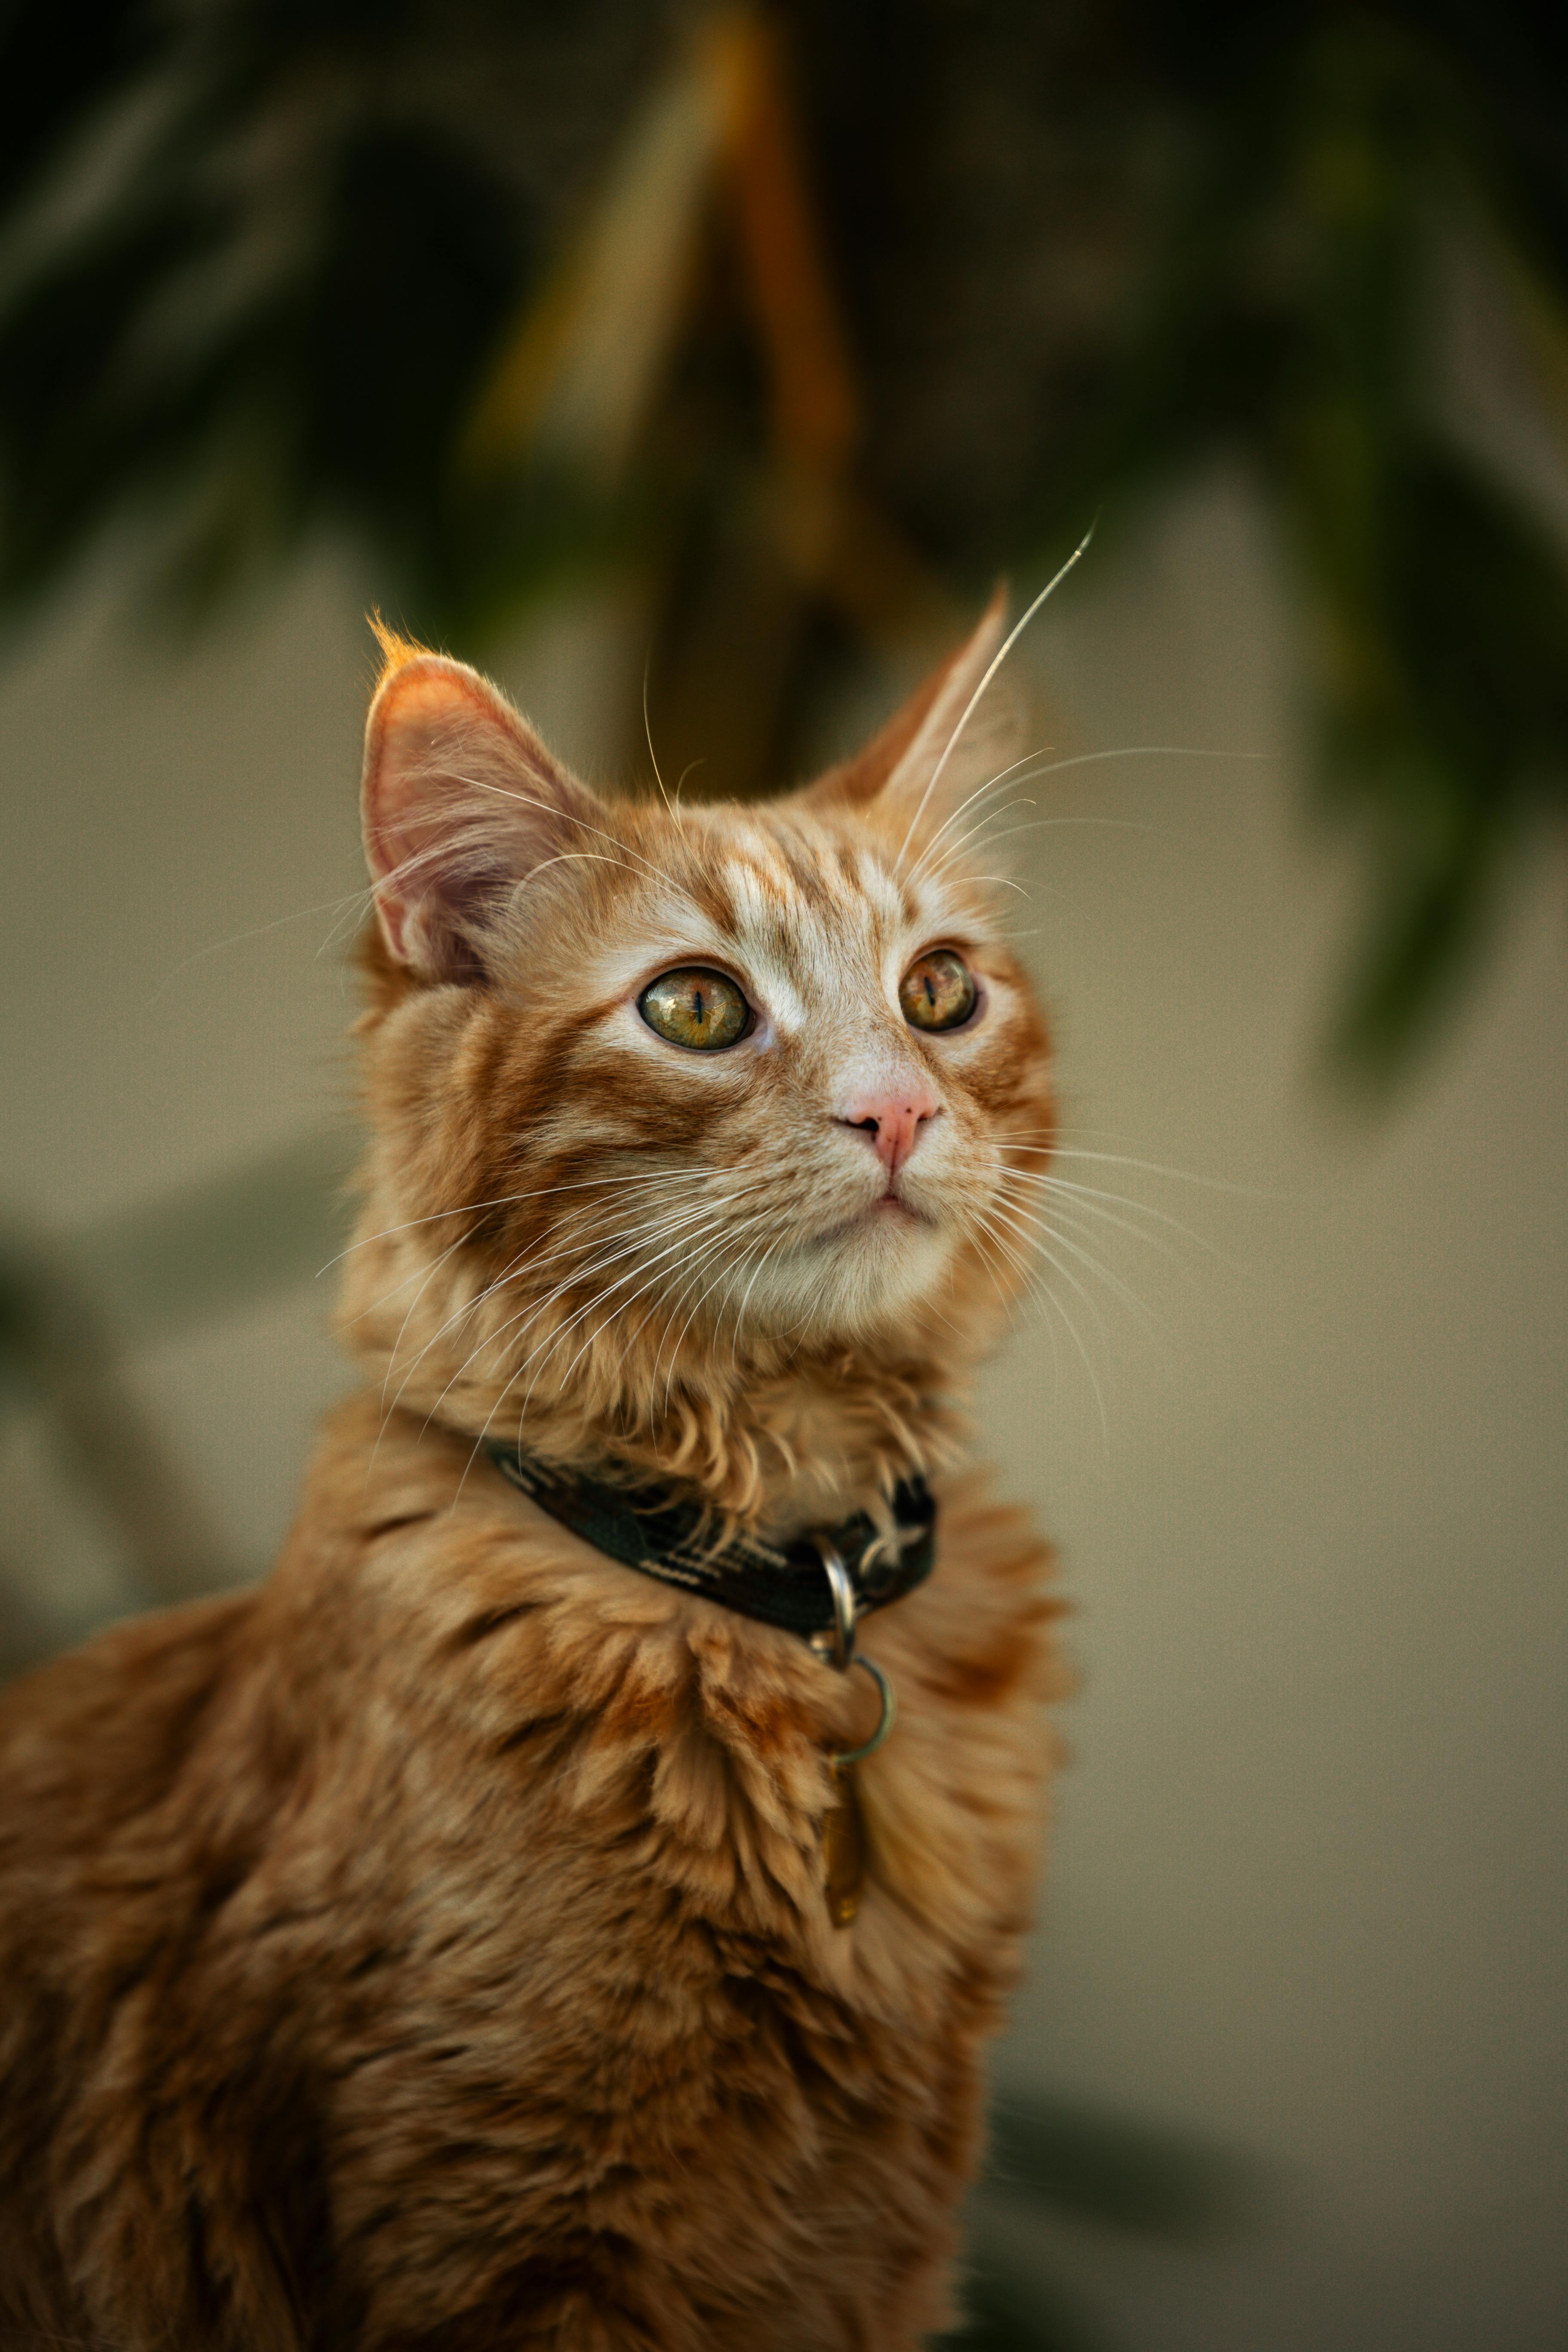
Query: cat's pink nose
[[892, 1119]]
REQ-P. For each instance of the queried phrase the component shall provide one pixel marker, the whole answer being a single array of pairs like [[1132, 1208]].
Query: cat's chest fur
[[489, 1875]]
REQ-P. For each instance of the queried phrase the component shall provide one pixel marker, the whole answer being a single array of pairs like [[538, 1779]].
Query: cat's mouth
[[886, 1214]]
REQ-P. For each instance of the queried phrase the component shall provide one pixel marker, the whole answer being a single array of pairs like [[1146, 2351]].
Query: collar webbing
[[783, 1584]]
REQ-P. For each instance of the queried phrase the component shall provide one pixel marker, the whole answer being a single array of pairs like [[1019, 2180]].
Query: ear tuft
[[395, 651]]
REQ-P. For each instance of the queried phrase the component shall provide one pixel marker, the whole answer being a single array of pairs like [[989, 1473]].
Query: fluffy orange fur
[[428, 1949]]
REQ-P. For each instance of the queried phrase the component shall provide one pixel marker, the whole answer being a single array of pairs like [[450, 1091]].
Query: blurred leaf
[[1451, 749], [1108, 2169], [1011, 2311], [1062, 2161], [213, 1248]]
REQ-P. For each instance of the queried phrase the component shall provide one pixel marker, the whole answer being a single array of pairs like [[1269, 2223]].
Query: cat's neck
[[776, 1433], [782, 1445]]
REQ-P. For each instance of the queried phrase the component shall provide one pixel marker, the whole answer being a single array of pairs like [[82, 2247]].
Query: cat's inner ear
[[957, 732], [460, 802]]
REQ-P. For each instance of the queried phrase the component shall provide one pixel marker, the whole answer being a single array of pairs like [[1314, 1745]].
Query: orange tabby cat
[[465, 1939]]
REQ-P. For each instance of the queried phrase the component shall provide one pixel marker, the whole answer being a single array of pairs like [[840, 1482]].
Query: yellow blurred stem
[[583, 367]]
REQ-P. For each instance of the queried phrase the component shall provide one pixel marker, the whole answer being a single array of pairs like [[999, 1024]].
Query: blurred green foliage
[[259, 262], [1053, 2162]]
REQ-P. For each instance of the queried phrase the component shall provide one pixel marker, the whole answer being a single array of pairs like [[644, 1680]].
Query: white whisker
[[1177, 1175], [1048, 1297], [551, 808], [647, 730], [995, 665], [506, 1201], [1087, 1193], [740, 1310], [1088, 1216], [257, 932], [623, 1245], [1020, 1220], [756, 1224], [547, 1346]]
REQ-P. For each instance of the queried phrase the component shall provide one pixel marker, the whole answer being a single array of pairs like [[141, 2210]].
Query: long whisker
[[1093, 1193], [976, 832], [675, 1228], [745, 1297], [1035, 764], [1036, 825], [1021, 1220], [505, 1200], [1045, 1251], [733, 1242], [430, 1275], [546, 1348], [1022, 771], [566, 1248], [431, 1272], [985, 1260], [258, 932], [549, 808], [1050, 1298], [1003, 776], [418, 1272], [624, 1244], [929, 858], [748, 1225], [1087, 1216], [680, 1294], [1025, 770], [555, 1339], [994, 666], [693, 1274], [680, 1227], [647, 730], [1153, 1168], [756, 1223], [589, 1230]]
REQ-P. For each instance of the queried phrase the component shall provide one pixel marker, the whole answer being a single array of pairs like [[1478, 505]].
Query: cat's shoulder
[[415, 1572], [114, 1713]]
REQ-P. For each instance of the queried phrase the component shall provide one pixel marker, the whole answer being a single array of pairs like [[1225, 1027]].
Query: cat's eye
[[938, 991], [697, 1008]]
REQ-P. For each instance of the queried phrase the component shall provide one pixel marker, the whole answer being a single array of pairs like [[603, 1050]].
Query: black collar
[[787, 1585]]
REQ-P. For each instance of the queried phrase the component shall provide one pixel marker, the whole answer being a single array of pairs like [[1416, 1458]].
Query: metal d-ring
[[837, 1645], [890, 1710], [837, 1642]]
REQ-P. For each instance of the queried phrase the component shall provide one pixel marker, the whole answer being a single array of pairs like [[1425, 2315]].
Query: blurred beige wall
[[1307, 1886]]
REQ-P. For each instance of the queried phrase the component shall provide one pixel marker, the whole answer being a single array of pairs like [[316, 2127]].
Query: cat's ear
[[459, 801], [943, 743]]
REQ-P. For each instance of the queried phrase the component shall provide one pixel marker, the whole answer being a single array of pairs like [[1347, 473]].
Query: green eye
[[696, 1008], [938, 991]]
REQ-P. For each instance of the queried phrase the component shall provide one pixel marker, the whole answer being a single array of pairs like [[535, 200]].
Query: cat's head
[[667, 1097]]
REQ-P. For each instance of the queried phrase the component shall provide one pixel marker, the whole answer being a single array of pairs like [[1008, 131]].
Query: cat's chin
[[865, 1276]]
